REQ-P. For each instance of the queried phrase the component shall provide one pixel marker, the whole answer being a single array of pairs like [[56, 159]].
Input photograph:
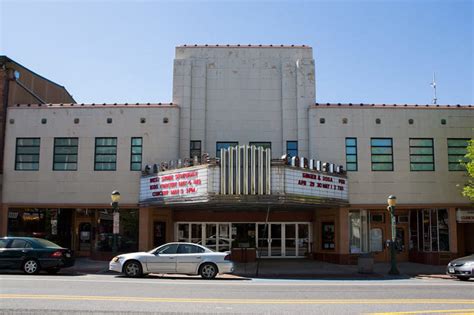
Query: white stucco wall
[[244, 94]]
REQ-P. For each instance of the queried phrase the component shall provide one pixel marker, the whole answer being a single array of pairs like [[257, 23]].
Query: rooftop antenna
[[433, 84]]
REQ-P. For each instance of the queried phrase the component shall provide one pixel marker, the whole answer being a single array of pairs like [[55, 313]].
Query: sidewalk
[[297, 268]]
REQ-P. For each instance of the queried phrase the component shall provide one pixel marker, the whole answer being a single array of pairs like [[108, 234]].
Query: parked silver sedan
[[461, 268], [178, 258]]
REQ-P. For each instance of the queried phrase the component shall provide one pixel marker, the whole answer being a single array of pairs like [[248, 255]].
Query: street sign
[[394, 229]]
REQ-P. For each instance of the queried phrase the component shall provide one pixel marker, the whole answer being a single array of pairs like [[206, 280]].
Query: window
[[265, 145], [168, 249], [195, 149], [429, 230], [65, 154], [27, 154], [382, 154], [105, 154], [457, 149], [224, 145], [189, 249], [20, 244], [421, 155], [3, 243], [351, 154], [292, 148], [358, 232], [136, 154]]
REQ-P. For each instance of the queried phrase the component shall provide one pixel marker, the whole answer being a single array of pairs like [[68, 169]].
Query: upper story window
[[136, 154], [457, 149], [105, 154], [421, 155], [65, 154], [265, 145], [382, 154], [224, 145], [27, 154], [351, 154], [195, 149], [292, 148]]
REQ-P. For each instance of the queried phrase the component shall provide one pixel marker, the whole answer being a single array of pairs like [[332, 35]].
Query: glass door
[[276, 240], [290, 240], [263, 242]]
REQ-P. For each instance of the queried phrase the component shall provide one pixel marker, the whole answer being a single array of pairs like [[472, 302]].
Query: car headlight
[[115, 259]]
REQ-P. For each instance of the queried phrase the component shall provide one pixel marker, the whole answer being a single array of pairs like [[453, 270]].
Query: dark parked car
[[461, 268], [33, 254]]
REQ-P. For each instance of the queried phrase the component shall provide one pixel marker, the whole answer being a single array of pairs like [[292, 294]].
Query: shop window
[[382, 154], [328, 235], [377, 217], [127, 238], [292, 148], [429, 230], [224, 145], [421, 155], [351, 154], [105, 154], [136, 152], [457, 149], [27, 154], [195, 149], [358, 232], [65, 154]]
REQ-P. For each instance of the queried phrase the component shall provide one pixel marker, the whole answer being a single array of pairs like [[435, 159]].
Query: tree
[[468, 190]]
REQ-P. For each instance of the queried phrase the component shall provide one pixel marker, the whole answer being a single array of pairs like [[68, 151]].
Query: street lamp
[[392, 201], [115, 196]]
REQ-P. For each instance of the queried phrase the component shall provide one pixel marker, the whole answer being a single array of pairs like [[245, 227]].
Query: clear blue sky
[[365, 51]]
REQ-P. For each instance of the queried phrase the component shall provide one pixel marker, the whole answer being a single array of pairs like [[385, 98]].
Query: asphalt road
[[113, 294]]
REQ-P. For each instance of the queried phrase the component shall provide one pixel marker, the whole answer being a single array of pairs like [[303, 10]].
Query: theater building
[[242, 159]]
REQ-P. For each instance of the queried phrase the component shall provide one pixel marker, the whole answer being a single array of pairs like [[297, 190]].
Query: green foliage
[[468, 190]]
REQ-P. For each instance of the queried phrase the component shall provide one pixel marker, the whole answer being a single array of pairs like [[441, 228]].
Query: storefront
[[247, 203], [465, 231], [87, 231]]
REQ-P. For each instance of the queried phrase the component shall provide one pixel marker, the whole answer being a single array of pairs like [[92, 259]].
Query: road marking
[[231, 301], [457, 312], [253, 282]]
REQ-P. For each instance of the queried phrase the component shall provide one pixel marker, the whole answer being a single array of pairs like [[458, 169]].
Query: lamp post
[[115, 196], [392, 201]]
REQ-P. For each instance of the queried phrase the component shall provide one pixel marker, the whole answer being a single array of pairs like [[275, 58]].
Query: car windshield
[[46, 243]]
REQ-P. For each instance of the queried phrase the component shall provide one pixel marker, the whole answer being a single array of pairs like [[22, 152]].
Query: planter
[[243, 255]]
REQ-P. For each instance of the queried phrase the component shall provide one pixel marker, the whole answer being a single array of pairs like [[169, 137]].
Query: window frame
[[132, 163], [105, 146], [230, 144], [372, 146], [192, 148], [30, 154], [460, 167], [419, 154], [288, 142], [62, 154], [356, 163]]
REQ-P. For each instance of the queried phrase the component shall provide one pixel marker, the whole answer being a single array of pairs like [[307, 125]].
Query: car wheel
[[208, 271], [463, 278], [52, 271], [133, 269], [31, 266]]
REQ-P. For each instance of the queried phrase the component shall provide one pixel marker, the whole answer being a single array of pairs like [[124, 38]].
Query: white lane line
[[159, 281]]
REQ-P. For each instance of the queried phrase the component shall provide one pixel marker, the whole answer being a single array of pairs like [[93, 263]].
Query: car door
[[189, 257], [4, 261], [17, 251], [163, 260]]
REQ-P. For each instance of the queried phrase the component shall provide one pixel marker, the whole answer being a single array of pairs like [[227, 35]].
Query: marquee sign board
[[175, 186], [314, 184]]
